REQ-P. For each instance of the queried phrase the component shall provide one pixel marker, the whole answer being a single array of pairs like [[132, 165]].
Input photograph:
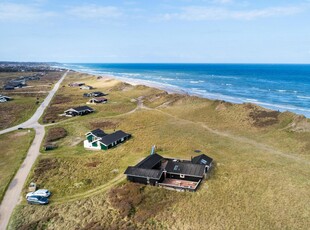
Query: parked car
[[40, 192], [37, 200]]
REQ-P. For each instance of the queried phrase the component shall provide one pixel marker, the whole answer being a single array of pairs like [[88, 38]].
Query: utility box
[[32, 187]]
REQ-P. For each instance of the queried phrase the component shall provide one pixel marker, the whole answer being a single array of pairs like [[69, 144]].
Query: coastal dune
[[260, 178]]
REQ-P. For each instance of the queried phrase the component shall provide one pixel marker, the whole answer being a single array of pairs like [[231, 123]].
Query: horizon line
[[205, 63]]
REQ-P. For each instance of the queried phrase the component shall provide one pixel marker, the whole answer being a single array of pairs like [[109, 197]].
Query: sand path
[[13, 194]]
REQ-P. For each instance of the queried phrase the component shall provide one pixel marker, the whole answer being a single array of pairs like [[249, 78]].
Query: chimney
[[153, 149]]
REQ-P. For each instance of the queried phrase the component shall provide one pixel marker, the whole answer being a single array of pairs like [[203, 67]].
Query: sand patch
[[20, 133], [75, 141], [299, 124], [103, 82]]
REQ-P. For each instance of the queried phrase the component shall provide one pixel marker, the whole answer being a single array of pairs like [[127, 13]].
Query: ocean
[[276, 86]]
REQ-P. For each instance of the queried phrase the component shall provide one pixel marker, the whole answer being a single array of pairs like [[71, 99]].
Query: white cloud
[[93, 11], [22, 12], [197, 13]]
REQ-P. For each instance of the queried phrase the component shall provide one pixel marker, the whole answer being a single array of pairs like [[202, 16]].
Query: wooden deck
[[180, 184]]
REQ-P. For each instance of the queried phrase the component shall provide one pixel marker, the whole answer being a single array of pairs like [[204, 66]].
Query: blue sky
[[204, 31]]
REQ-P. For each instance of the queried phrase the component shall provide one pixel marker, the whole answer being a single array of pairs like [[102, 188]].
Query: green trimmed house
[[99, 140]]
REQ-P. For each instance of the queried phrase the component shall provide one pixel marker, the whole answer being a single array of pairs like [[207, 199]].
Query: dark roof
[[9, 87], [82, 108], [202, 159], [110, 138], [141, 172], [98, 133], [189, 169], [97, 92], [17, 81], [150, 161], [15, 84]]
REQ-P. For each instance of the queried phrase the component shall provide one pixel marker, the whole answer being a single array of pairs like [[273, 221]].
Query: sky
[[161, 31]]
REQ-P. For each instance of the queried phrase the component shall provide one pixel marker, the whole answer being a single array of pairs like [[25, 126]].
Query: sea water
[[276, 86]]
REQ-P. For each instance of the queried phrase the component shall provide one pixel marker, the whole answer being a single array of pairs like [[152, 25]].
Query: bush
[[52, 114], [104, 125], [140, 202], [126, 198], [44, 169], [55, 134]]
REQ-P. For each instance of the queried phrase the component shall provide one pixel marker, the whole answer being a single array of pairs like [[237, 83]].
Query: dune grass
[[14, 147], [24, 105], [260, 181], [17, 111]]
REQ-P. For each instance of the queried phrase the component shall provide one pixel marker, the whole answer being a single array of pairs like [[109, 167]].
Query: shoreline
[[178, 90]]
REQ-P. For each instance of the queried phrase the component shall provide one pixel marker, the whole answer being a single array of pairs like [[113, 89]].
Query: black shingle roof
[[110, 138], [15, 84], [141, 172], [98, 92], [98, 133], [9, 87], [202, 159], [82, 108], [189, 169], [150, 161]]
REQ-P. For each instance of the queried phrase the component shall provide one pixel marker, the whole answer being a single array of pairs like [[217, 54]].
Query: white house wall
[[88, 145]]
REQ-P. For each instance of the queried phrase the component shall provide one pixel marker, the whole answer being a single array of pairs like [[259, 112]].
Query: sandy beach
[[263, 85]]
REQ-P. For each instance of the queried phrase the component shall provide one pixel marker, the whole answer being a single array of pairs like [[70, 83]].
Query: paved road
[[12, 196]]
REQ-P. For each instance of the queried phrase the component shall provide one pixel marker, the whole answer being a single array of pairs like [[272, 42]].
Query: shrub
[[103, 125], [126, 198], [140, 202], [55, 133]]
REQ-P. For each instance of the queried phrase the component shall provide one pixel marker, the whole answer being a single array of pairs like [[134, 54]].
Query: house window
[[182, 176]]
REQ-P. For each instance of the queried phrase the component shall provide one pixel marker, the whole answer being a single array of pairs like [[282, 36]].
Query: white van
[[40, 192]]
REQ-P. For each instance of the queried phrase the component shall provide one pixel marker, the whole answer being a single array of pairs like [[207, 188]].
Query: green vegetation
[[24, 102], [53, 135], [68, 97], [17, 111], [260, 181], [14, 147]]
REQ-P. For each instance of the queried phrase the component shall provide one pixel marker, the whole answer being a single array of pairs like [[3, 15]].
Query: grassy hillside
[[23, 105], [14, 147], [260, 181]]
